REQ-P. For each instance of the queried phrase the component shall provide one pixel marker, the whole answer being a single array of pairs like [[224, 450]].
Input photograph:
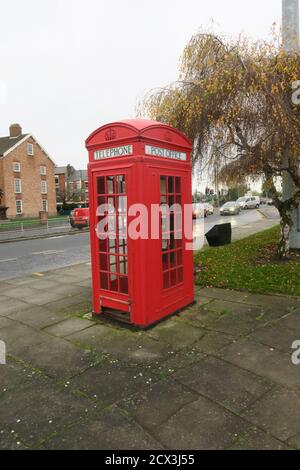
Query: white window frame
[[45, 201], [21, 207], [18, 190], [16, 167], [43, 170], [30, 149], [44, 187]]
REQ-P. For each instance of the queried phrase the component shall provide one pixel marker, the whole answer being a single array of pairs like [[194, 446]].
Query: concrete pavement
[[216, 376]]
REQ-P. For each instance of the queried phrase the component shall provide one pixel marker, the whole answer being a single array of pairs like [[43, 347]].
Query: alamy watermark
[[296, 353], [160, 221], [296, 93], [2, 353]]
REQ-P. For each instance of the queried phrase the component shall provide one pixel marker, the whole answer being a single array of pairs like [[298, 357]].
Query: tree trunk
[[285, 229]]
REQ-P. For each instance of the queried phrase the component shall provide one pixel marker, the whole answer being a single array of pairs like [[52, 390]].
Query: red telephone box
[[144, 277]]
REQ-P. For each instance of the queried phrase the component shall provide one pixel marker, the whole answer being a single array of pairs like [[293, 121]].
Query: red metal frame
[[148, 279]]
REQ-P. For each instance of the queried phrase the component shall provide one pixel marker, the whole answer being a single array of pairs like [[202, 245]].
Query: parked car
[[230, 208], [80, 218], [209, 208], [252, 202], [198, 210]]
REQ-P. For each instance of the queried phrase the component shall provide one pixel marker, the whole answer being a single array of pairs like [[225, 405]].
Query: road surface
[[31, 256]]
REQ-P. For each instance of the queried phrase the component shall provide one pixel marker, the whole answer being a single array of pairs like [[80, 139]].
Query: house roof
[[78, 175], [6, 143], [61, 170]]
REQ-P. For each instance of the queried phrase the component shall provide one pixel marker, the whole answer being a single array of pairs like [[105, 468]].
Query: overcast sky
[[69, 66]]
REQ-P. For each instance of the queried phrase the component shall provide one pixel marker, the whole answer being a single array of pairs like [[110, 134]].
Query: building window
[[19, 208], [30, 150], [86, 184], [43, 170], [16, 167], [44, 187], [18, 186], [45, 205]]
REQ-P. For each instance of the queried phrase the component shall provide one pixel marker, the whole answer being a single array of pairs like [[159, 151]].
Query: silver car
[[230, 208]]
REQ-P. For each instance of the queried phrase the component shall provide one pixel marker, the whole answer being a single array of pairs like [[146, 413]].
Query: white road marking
[[7, 260], [49, 252]]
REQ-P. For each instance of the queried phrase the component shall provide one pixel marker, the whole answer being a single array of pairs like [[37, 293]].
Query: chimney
[[15, 130]]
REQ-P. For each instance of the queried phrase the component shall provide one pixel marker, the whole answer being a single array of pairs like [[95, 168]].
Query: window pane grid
[[172, 250], [113, 252]]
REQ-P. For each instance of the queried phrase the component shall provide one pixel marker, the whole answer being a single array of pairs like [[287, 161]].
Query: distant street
[[31, 256]]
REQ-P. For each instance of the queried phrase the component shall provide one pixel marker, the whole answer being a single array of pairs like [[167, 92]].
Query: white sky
[[69, 66]]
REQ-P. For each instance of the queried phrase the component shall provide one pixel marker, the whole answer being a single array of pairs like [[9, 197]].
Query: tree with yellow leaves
[[234, 100]]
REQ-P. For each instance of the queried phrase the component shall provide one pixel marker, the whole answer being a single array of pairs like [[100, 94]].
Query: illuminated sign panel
[[113, 152], [165, 153]]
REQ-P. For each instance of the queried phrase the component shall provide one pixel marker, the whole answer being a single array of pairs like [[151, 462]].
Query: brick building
[[71, 185], [26, 175]]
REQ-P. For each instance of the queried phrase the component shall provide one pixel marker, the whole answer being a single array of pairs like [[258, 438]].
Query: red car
[[80, 218]]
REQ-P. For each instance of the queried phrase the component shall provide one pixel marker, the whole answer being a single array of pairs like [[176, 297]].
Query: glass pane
[[121, 185], [180, 275], [103, 245], [113, 264], [164, 245], [173, 277], [166, 282], [171, 201], [103, 263], [172, 259], [110, 184], [165, 259], [113, 282], [178, 184], [170, 184], [163, 185], [123, 265], [103, 281], [124, 285], [101, 185], [112, 245], [163, 199], [179, 258], [172, 241]]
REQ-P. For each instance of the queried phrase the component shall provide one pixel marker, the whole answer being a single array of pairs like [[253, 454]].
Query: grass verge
[[235, 266]]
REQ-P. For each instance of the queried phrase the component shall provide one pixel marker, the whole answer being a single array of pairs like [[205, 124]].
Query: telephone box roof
[[142, 129]]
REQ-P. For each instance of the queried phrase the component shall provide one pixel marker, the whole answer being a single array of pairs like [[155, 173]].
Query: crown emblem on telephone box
[[110, 134]]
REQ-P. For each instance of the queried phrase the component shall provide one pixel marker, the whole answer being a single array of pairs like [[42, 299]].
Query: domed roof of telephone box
[[137, 129]]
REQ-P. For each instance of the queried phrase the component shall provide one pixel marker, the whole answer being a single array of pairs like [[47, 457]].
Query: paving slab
[[223, 294], [9, 440], [58, 358], [9, 306], [213, 342], [21, 338], [276, 335], [278, 413], [122, 344], [157, 403], [177, 334], [38, 317], [16, 375], [294, 442], [74, 305], [109, 382], [201, 425], [68, 327], [109, 430], [256, 439], [36, 411], [230, 386], [264, 361]]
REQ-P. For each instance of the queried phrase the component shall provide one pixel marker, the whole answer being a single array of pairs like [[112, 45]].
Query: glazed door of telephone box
[[111, 250]]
